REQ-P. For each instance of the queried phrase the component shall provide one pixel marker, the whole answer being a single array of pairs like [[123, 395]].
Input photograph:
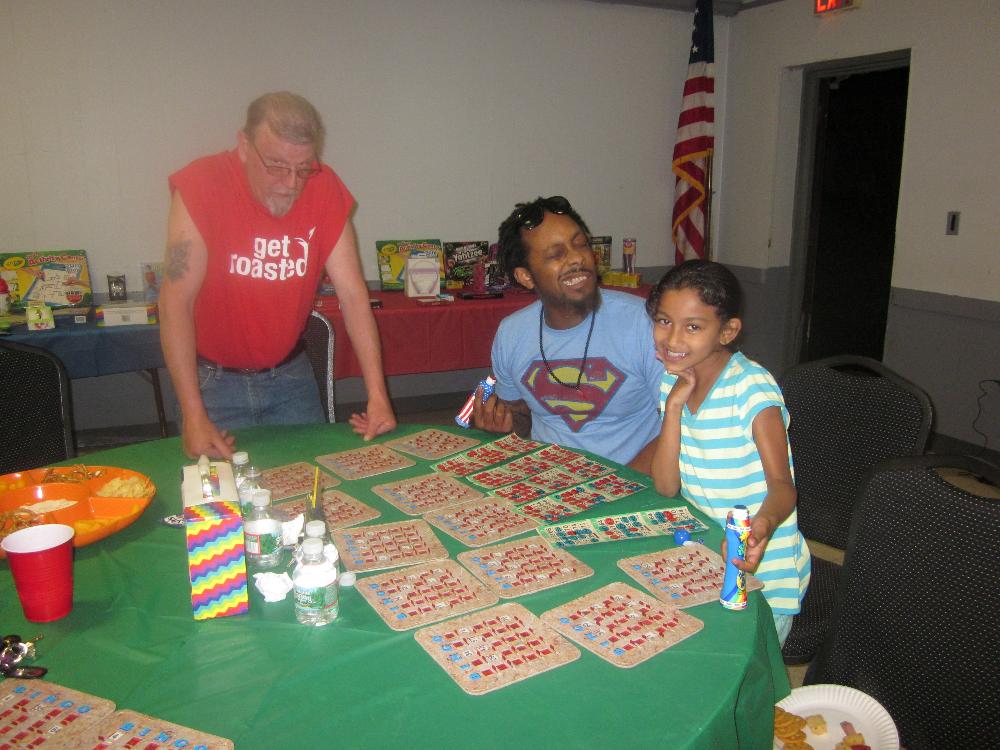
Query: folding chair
[[912, 626], [38, 429], [847, 414], [319, 338]]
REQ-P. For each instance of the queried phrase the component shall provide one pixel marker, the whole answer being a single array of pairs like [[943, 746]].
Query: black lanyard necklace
[[586, 348]]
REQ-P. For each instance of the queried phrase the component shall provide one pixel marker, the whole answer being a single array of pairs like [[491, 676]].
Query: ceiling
[[719, 7]]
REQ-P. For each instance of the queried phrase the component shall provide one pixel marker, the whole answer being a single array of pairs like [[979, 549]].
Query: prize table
[[265, 681], [88, 350], [420, 337]]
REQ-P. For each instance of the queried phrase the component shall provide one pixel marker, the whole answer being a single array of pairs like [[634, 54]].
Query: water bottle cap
[[240, 458], [348, 578], [312, 547], [315, 528], [261, 498]]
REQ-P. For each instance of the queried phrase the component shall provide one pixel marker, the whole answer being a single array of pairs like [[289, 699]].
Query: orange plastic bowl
[[92, 516]]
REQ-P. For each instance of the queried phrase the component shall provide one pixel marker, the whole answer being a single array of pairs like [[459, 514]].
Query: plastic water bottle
[[251, 483], [241, 461], [317, 592], [734, 584], [262, 532], [313, 530]]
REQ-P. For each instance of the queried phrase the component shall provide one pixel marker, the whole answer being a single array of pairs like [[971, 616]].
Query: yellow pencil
[[315, 487]]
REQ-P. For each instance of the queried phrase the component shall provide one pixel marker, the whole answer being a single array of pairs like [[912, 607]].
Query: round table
[[265, 681]]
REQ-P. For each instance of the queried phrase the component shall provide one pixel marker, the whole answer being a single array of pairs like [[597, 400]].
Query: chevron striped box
[[216, 562]]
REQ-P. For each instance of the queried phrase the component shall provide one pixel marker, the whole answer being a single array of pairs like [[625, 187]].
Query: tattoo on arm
[[177, 259]]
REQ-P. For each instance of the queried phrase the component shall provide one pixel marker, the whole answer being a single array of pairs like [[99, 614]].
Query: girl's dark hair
[[716, 286]]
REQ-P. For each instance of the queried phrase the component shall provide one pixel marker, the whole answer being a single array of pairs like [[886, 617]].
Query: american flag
[[695, 141]]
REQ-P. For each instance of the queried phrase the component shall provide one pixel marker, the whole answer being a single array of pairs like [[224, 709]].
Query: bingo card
[[388, 545], [495, 648], [523, 567], [481, 522], [621, 624], [359, 463], [426, 493], [421, 594], [682, 576]]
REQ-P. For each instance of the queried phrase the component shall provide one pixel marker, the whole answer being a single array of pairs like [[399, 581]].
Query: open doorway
[[851, 148]]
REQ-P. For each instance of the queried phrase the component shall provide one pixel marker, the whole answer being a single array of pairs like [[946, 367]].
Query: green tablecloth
[[265, 681]]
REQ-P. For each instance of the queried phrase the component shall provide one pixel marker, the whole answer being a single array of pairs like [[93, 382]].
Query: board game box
[[392, 255], [602, 253], [460, 261], [57, 278]]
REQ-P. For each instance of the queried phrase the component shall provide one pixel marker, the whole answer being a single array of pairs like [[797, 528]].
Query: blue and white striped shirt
[[720, 467]]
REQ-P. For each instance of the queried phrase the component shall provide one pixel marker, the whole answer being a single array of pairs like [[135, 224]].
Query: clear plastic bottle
[[312, 530], [240, 461], [251, 483], [262, 532], [317, 592]]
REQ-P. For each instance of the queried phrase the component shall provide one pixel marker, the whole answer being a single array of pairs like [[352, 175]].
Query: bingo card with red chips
[[481, 522], [359, 463], [495, 648], [523, 567], [426, 493], [339, 509], [293, 480], [682, 576], [388, 545], [432, 444], [621, 624], [42, 714], [421, 594]]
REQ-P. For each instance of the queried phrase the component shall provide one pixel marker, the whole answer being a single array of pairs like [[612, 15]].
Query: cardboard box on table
[[216, 557], [125, 314], [393, 254], [57, 278]]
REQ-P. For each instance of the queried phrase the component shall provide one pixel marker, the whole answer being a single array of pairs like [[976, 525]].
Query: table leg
[[154, 378]]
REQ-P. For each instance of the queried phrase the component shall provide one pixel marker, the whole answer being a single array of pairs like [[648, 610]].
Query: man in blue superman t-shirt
[[577, 366]]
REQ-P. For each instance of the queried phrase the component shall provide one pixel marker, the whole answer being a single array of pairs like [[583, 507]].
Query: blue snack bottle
[[465, 414], [734, 585]]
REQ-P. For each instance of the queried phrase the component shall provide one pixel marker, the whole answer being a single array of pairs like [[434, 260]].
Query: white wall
[[951, 147], [441, 114]]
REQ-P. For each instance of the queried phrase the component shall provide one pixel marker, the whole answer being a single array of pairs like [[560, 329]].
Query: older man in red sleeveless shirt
[[249, 234]]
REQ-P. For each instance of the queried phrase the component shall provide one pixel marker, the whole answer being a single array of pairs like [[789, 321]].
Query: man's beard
[[280, 205]]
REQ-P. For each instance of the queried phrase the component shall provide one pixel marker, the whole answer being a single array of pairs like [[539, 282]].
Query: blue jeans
[[282, 395]]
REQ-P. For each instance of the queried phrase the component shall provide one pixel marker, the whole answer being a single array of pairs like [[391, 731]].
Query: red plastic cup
[[41, 559]]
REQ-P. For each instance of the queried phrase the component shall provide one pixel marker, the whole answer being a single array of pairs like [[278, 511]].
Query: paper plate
[[79, 488], [839, 703]]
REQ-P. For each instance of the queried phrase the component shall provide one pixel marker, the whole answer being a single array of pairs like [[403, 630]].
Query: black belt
[[296, 351]]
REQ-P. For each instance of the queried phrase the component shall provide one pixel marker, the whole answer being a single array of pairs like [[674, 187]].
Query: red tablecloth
[[420, 337]]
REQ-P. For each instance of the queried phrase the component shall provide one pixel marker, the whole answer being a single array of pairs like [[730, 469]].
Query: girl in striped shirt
[[724, 438]]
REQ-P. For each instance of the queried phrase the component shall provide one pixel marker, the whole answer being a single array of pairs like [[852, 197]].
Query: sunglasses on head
[[531, 215]]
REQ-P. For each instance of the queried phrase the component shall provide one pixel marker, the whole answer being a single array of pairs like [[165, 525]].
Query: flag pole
[[709, 255]]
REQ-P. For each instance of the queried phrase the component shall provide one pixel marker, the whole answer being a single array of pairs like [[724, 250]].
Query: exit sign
[[828, 6]]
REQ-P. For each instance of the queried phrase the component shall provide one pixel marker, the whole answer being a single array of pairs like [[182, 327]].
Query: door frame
[[802, 220]]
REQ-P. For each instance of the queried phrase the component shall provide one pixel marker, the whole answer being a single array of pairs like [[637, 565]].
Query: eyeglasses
[[531, 215], [303, 173]]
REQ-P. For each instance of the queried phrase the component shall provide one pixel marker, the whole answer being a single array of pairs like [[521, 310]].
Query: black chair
[[847, 414], [320, 342], [37, 425], [913, 627]]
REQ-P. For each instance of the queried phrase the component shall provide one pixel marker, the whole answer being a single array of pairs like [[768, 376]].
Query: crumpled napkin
[[292, 530], [274, 586]]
